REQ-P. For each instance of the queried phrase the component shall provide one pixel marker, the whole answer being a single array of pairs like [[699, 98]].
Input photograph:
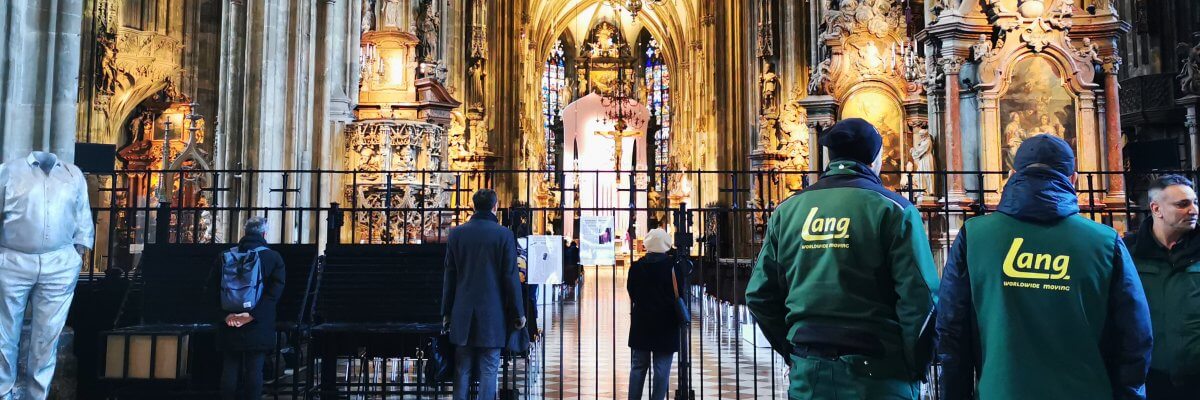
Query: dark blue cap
[[853, 139], [1048, 150]]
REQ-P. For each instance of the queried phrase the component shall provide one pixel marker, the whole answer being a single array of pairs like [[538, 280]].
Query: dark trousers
[[1160, 387], [242, 375]]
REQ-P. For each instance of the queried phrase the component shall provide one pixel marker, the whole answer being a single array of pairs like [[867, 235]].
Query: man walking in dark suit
[[481, 295]]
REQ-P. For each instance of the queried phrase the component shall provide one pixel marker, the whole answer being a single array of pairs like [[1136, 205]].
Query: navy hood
[[1039, 195], [1041, 190]]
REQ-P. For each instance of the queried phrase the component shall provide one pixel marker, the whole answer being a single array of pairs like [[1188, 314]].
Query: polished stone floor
[[584, 355]]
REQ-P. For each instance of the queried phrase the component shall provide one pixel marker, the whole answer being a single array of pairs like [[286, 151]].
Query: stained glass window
[[658, 98], [554, 83]]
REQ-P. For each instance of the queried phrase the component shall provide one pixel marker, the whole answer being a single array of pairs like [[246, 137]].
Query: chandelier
[[620, 110], [633, 6], [621, 103]]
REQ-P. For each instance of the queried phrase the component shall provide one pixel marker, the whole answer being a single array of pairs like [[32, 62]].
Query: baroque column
[[951, 66], [1112, 132], [40, 75]]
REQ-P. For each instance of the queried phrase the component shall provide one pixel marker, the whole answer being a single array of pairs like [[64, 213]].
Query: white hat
[[658, 241]]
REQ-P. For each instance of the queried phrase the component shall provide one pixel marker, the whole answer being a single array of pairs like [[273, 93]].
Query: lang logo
[[1020, 265], [817, 228]]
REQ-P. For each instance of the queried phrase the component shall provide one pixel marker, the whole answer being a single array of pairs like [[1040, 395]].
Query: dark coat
[[1171, 279], [481, 293], [259, 334], [653, 324]]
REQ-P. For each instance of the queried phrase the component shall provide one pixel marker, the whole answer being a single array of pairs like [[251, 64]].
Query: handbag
[[440, 365], [517, 342], [681, 309]]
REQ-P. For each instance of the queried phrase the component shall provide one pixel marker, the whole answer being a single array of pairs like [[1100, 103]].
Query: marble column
[[39, 76], [1112, 133], [951, 66]]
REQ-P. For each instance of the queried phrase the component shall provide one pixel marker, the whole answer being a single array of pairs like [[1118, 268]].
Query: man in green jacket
[[845, 281], [1038, 302], [1166, 250]]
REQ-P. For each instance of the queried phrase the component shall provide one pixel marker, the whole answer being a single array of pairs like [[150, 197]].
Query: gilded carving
[[393, 156], [951, 65]]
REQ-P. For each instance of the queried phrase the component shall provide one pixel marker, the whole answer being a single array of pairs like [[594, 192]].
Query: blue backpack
[[241, 279]]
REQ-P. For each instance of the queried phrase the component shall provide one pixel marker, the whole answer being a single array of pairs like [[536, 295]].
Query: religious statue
[[478, 76], [922, 155], [479, 138], [108, 64], [794, 118], [817, 81], [392, 14], [981, 48], [368, 16], [429, 31], [768, 133], [1189, 72], [770, 85], [1088, 51]]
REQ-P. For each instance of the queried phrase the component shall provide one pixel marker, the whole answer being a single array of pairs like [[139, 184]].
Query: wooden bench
[[173, 303], [375, 301]]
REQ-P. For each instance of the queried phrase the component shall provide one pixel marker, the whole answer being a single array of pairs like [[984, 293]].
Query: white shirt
[[44, 212]]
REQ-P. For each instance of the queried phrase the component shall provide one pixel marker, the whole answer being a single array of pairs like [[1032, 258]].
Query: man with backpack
[[248, 280]]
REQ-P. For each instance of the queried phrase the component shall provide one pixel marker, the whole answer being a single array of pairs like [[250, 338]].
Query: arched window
[[658, 98], [554, 84]]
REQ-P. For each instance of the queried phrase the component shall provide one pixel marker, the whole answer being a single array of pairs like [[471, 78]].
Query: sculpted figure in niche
[[1189, 72], [922, 158], [770, 85], [108, 64], [478, 75], [368, 16], [392, 13], [430, 27], [982, 47]]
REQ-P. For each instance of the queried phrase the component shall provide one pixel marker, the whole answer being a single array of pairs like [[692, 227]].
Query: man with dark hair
[[845, 280], [1167, 254], [1038, 302], [481, 295]]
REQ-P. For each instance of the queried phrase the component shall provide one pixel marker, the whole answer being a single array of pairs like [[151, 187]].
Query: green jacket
[[1038, 302], [846, 263], [1171, 279]]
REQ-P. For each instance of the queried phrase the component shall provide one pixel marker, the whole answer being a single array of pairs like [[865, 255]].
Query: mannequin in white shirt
[[45, 229]]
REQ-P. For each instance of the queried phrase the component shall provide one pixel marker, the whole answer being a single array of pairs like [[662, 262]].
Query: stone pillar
[[1193, 127], [40, 75], [1112, 134], [952, 65]]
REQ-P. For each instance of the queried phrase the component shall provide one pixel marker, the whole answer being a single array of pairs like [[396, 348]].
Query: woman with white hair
[[654, 324]]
